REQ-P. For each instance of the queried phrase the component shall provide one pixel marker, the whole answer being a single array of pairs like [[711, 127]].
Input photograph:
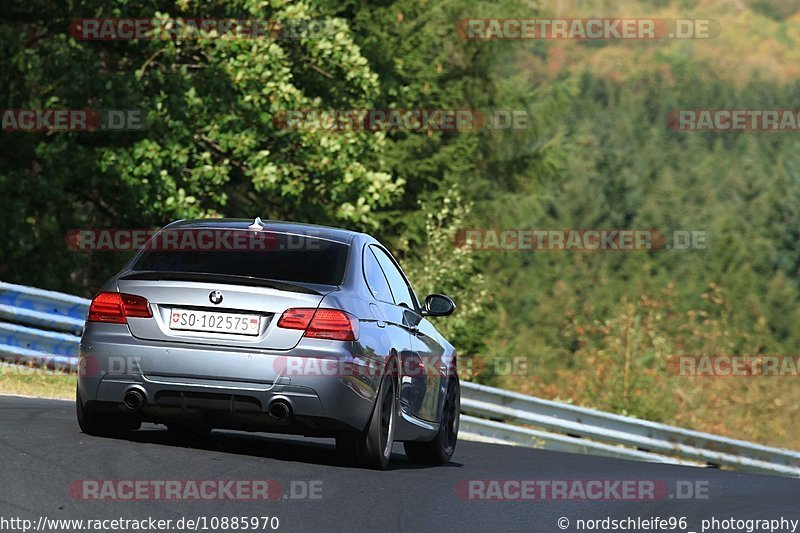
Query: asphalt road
[[43, 452]]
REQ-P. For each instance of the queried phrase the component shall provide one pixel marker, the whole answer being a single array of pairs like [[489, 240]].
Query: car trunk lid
[[238, 297]]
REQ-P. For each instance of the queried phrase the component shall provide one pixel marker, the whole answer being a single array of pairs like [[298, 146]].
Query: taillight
[[321, 323], [117, 307], [296, 318], [333, 324]]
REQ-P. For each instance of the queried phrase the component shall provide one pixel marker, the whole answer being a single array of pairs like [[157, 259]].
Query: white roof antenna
[[256, 225]]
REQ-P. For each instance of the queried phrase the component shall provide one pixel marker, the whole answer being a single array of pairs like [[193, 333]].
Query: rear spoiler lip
[[229, 279]]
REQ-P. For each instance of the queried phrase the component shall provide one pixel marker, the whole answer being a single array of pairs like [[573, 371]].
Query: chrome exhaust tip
[[279, 409], [133, 399]]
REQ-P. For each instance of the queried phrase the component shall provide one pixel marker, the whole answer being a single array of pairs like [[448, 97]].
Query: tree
[[212, 147]]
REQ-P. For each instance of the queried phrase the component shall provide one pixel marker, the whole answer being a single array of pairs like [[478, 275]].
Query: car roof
[[278, 226]]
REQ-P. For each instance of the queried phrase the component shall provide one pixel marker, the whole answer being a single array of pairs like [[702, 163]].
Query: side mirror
[[438, 305]]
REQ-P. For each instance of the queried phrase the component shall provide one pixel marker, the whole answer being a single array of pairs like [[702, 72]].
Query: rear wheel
[[373, 448], [441, 448], [101, 424]]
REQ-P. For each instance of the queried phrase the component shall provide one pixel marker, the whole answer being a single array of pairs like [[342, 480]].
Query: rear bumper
[[228, 388]]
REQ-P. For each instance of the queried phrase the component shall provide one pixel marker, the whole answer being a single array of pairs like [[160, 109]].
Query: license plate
[[212, 321]]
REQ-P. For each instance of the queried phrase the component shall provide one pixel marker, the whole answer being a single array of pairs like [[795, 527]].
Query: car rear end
[[199, 334]]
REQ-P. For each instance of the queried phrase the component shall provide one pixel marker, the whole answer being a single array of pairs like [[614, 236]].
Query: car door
[[424, 373]]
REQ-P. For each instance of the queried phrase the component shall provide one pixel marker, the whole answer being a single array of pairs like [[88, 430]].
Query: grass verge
[[36, 381]]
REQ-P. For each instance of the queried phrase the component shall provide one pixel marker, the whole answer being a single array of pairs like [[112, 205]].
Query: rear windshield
[[266, 255]]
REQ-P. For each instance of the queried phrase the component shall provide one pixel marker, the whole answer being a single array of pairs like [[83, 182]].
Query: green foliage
[[212, 146], [598, 327], [443, 265], [422, 64]]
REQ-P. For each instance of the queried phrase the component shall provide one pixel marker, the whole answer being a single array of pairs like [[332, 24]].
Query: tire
[[100, 424], [440, 450], [372, 448]]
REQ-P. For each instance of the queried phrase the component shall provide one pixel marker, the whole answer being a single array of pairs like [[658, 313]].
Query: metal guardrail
[[44, 327], [582, 430], [39, 326], [481, 430]]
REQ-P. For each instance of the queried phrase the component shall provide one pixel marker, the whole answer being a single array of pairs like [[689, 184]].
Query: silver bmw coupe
[[271, 326]]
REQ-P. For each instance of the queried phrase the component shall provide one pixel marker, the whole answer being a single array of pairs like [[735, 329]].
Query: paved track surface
[[43, 451]]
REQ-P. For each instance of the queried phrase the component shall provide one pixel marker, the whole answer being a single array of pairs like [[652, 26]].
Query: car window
[[400, 291], [292, 259], [376, 280]]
